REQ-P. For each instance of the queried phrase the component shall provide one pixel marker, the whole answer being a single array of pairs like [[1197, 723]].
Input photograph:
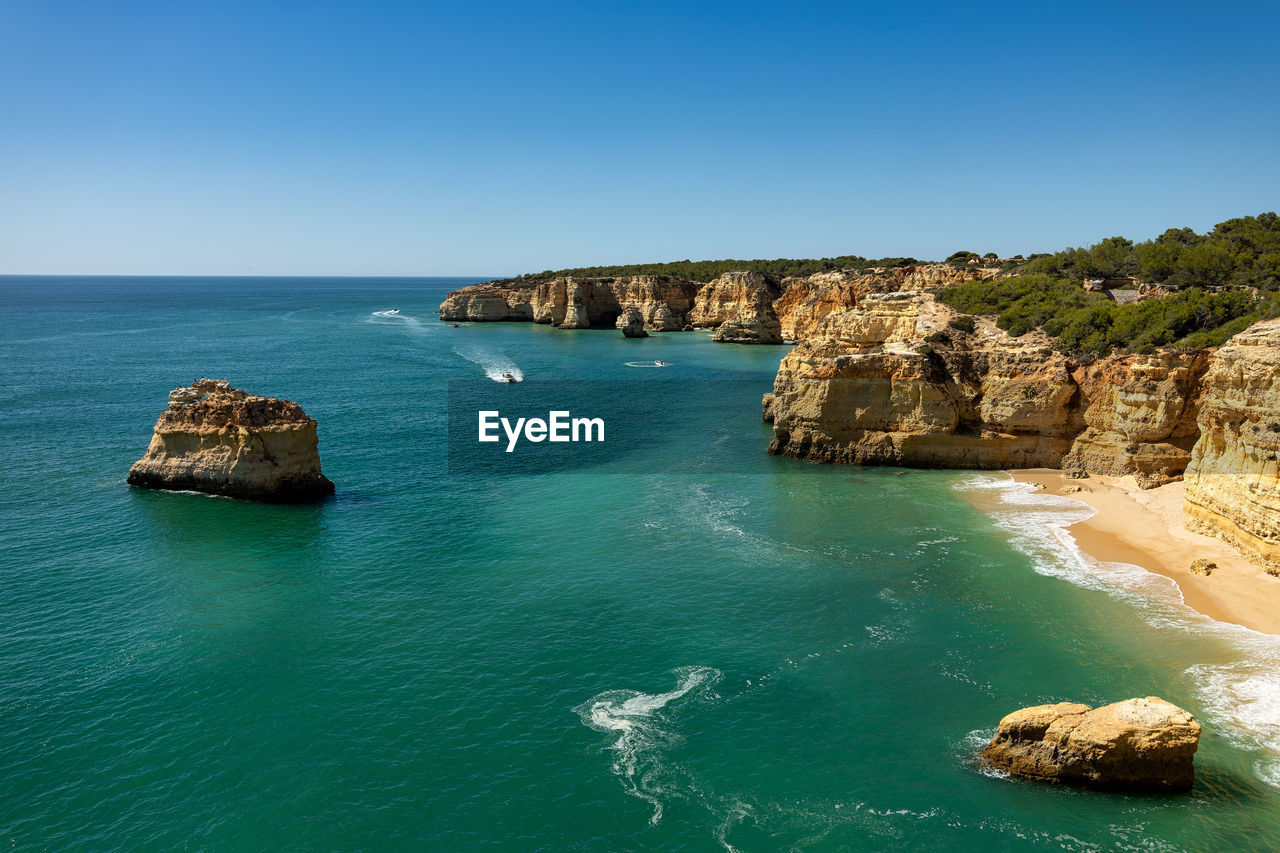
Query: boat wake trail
[[496, 366], [643, 729], [394, 317]]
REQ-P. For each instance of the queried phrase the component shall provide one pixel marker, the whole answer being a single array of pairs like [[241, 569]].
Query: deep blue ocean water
[[756, 654]]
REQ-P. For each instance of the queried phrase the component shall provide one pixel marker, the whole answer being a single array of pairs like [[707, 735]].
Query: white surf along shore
[[1075, 537]]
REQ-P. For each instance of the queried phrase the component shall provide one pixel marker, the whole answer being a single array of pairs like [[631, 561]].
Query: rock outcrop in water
[[1233, 479], [1139, 744], [632, 324], [221, 440]]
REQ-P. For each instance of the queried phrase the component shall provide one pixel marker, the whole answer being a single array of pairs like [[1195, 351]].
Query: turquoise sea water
[[796, 658]]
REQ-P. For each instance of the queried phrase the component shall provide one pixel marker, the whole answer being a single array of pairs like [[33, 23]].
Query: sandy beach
[[1145, 528]]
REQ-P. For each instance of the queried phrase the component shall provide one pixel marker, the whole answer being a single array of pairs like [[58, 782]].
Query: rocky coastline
[[884, 373], [220, 440], [741, 307], [895, 382]]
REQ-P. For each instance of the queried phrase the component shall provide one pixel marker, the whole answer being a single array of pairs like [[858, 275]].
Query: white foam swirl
[[642, 731]]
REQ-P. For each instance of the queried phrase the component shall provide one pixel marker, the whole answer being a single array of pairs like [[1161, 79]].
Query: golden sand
[[1145, 529]]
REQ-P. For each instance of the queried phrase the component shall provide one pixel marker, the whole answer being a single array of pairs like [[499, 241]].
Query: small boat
[[507, 377], [659, 364], [394, 311], [455, 325]]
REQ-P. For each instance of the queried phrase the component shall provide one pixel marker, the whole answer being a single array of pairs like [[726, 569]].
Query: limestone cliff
[[576, 303], [805, 302], [751, 307], [489, 302], [739, 306], [224, 441], [1140, 416], [891, 382], [721, 300], [1233, 479]]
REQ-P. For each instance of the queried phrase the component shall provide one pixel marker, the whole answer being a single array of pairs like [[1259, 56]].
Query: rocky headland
[[1139, 744], [885, 373], [742, 306], [664, 302], [220, 440], [902, 379]]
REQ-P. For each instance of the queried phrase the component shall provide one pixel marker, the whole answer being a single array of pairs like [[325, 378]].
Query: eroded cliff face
[[577, 303], [805, 302], [490, 302], [1140, 415], [892, 383], [221, 440], [868, 388], [739, 306], [744, 307], [1233, 479]]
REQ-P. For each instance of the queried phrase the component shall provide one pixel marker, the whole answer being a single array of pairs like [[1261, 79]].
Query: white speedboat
[[509, 377]]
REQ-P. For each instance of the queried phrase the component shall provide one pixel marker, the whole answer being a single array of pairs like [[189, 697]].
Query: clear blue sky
[[490, 138]]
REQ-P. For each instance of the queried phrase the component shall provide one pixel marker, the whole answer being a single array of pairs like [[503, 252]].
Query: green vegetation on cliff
[[1243, 252], [707, 270], [1225, 280], [1222, 281], [1080, 321]]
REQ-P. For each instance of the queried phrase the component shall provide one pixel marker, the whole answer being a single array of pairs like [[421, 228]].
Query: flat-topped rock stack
[[1138, 744], [220, 440]]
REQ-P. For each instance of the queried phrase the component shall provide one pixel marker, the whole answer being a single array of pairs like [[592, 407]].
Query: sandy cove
[[1145, 529]]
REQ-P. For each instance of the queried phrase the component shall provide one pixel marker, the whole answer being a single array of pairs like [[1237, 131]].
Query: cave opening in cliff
[[605, 320]]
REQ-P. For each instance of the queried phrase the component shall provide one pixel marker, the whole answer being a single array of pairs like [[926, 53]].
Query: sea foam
[[1241, 697], [641, 731]]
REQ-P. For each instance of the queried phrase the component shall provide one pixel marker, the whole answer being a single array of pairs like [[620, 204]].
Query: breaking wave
[[1240, 696]]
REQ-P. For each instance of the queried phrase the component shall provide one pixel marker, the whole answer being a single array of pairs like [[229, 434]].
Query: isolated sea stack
[[1138, 744], [221, 440]]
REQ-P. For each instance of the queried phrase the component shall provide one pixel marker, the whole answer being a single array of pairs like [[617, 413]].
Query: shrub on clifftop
[[1091, 323]]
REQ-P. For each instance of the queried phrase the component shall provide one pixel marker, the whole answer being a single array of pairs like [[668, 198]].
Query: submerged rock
[[221, 440], [1138, 744]]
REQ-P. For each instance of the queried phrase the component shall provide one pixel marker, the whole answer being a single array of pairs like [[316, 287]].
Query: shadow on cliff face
[[605, 320]]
